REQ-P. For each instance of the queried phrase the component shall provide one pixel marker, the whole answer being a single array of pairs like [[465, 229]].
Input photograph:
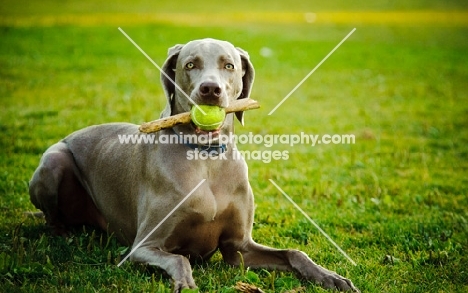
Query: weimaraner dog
[[91, 178]]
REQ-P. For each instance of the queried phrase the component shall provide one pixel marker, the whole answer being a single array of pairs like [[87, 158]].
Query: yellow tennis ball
[[211, 120]]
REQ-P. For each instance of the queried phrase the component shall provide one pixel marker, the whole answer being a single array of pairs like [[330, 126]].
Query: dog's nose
[[210, 90]]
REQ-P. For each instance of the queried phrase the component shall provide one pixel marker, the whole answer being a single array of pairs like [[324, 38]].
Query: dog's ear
[[168, 78], [247, 80]]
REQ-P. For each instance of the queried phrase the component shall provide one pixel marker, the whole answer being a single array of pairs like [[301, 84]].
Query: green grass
[[399, 193]]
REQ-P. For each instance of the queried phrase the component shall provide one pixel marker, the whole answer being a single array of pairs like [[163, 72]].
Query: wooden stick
[[184, 118]]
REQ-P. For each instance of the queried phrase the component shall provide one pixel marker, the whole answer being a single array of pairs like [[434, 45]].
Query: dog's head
[[205, 72]]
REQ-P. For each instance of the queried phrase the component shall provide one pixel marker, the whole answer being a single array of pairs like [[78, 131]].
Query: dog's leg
[[45, 182], [177, 266], [55, 189], [259, 256]]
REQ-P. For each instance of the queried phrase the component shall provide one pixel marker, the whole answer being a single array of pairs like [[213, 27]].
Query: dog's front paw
[[332, 280], [180, 285], [315, 273]]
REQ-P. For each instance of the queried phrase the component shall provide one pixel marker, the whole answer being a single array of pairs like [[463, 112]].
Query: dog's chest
[[205, 224], [219, 210]]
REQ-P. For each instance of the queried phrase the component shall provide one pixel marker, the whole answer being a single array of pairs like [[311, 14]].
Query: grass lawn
[[395, 200]]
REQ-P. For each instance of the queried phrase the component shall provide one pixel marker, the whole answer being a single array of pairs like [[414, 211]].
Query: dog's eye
[[189, 65], [229, 66]]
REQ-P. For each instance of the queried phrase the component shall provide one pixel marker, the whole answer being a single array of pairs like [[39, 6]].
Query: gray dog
[[91, 178]]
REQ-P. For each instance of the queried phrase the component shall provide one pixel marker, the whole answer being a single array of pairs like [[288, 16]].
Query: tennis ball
[[211, 120]]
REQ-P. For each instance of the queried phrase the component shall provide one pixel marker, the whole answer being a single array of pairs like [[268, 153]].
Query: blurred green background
[[395, 201], [48, 7]]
